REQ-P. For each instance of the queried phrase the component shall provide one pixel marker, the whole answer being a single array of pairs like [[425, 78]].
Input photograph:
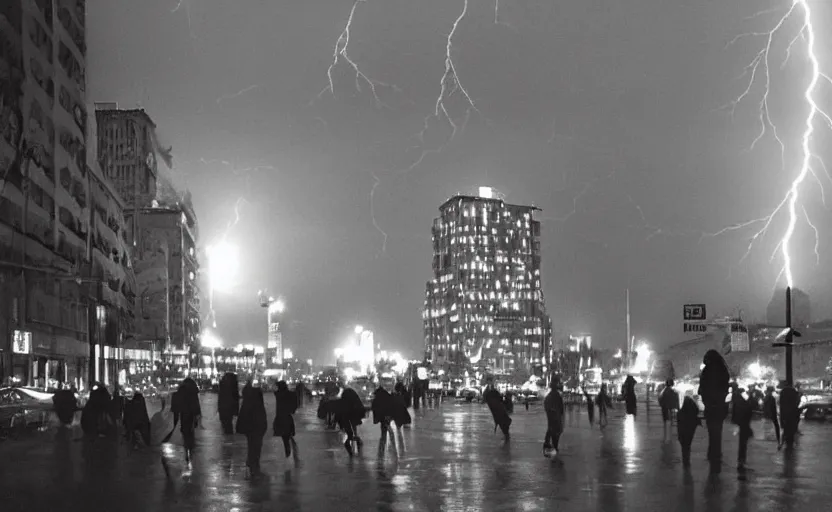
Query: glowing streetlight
[[210, 340], [359, 329], [276, 305]]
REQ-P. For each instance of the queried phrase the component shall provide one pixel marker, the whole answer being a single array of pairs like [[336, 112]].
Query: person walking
[[498, 410], [770, 413], [687, 421], [349, 414], [789, 414], [713, 388], [285, 405], [590, 407], [65, 404], [553, 405], [137, 422], [741, 416], [228, 401], [252, 423], [669, 402], [604, 402], [629, 393], [187, 413]]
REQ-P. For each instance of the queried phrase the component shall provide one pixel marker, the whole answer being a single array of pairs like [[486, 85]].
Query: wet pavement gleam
[[449, 459]]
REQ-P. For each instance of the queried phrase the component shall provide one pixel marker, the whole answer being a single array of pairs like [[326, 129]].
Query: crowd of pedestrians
[[342, 408]]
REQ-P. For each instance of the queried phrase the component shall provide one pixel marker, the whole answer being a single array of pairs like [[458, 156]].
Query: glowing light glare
[[349, 373], [641, 363], [359, 329], [223, 264], [755, 370], [486, 192], [210, 340], [276, 305]]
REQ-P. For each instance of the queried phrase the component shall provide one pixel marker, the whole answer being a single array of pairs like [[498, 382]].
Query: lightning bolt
[[186, 4], [340, 52], [497, 20], [760, 63], [449, 85], [236, 94], [211, 317], [376, 183]]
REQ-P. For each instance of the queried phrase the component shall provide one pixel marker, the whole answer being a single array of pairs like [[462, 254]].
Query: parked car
[[22, 409], [818, 410]]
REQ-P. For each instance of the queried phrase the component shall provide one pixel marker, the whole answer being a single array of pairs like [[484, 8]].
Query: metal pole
[[629, 343], [24, 310], [789, 338]]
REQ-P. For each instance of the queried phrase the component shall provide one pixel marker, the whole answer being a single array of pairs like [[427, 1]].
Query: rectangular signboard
[[694, 327], [694, 312]]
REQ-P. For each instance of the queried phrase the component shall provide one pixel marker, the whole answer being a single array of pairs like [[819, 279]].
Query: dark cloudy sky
[[613, 103]]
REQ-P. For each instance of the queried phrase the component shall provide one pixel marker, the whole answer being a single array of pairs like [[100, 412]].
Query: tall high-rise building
[[127, 153], [162, 226], [166, 270], [484, 305], [60, 249]]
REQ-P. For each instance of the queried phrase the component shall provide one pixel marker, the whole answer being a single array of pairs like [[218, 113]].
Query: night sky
[[603, 113]]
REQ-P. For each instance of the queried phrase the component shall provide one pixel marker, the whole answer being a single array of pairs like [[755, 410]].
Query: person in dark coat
[[508, 401], [228, 401], [789, 414], [687, 421], [741, 416], [349, 413], [713, 388], [402, 391], [629, 393], [286, 403], [137, 421], [252, 423], [498, 410], [300, 391], [384, 409], [116, 408], [590, 407], [96, 420], [65, 404], [668, 402], [187, 412], [553, 405], [770, 413], [604, 402]]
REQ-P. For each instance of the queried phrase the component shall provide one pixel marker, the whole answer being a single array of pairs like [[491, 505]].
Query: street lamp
[[359, 329]]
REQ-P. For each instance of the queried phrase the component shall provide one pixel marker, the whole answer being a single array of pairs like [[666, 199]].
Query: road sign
[[694, 312], [694, 316]]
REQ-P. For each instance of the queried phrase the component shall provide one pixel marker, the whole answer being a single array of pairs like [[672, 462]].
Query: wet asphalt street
[[450, 459]]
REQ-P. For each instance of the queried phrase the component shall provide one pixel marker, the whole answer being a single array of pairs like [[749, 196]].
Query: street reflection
[[630, 445]]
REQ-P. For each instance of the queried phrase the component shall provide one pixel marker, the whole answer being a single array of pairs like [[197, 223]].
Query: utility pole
[[23, 307], [629, 343], [789, 338]]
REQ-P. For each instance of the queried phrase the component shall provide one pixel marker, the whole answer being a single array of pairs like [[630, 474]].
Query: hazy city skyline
[[603, 115]]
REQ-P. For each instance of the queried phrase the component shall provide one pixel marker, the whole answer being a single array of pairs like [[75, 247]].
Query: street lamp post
[[789, 338]]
